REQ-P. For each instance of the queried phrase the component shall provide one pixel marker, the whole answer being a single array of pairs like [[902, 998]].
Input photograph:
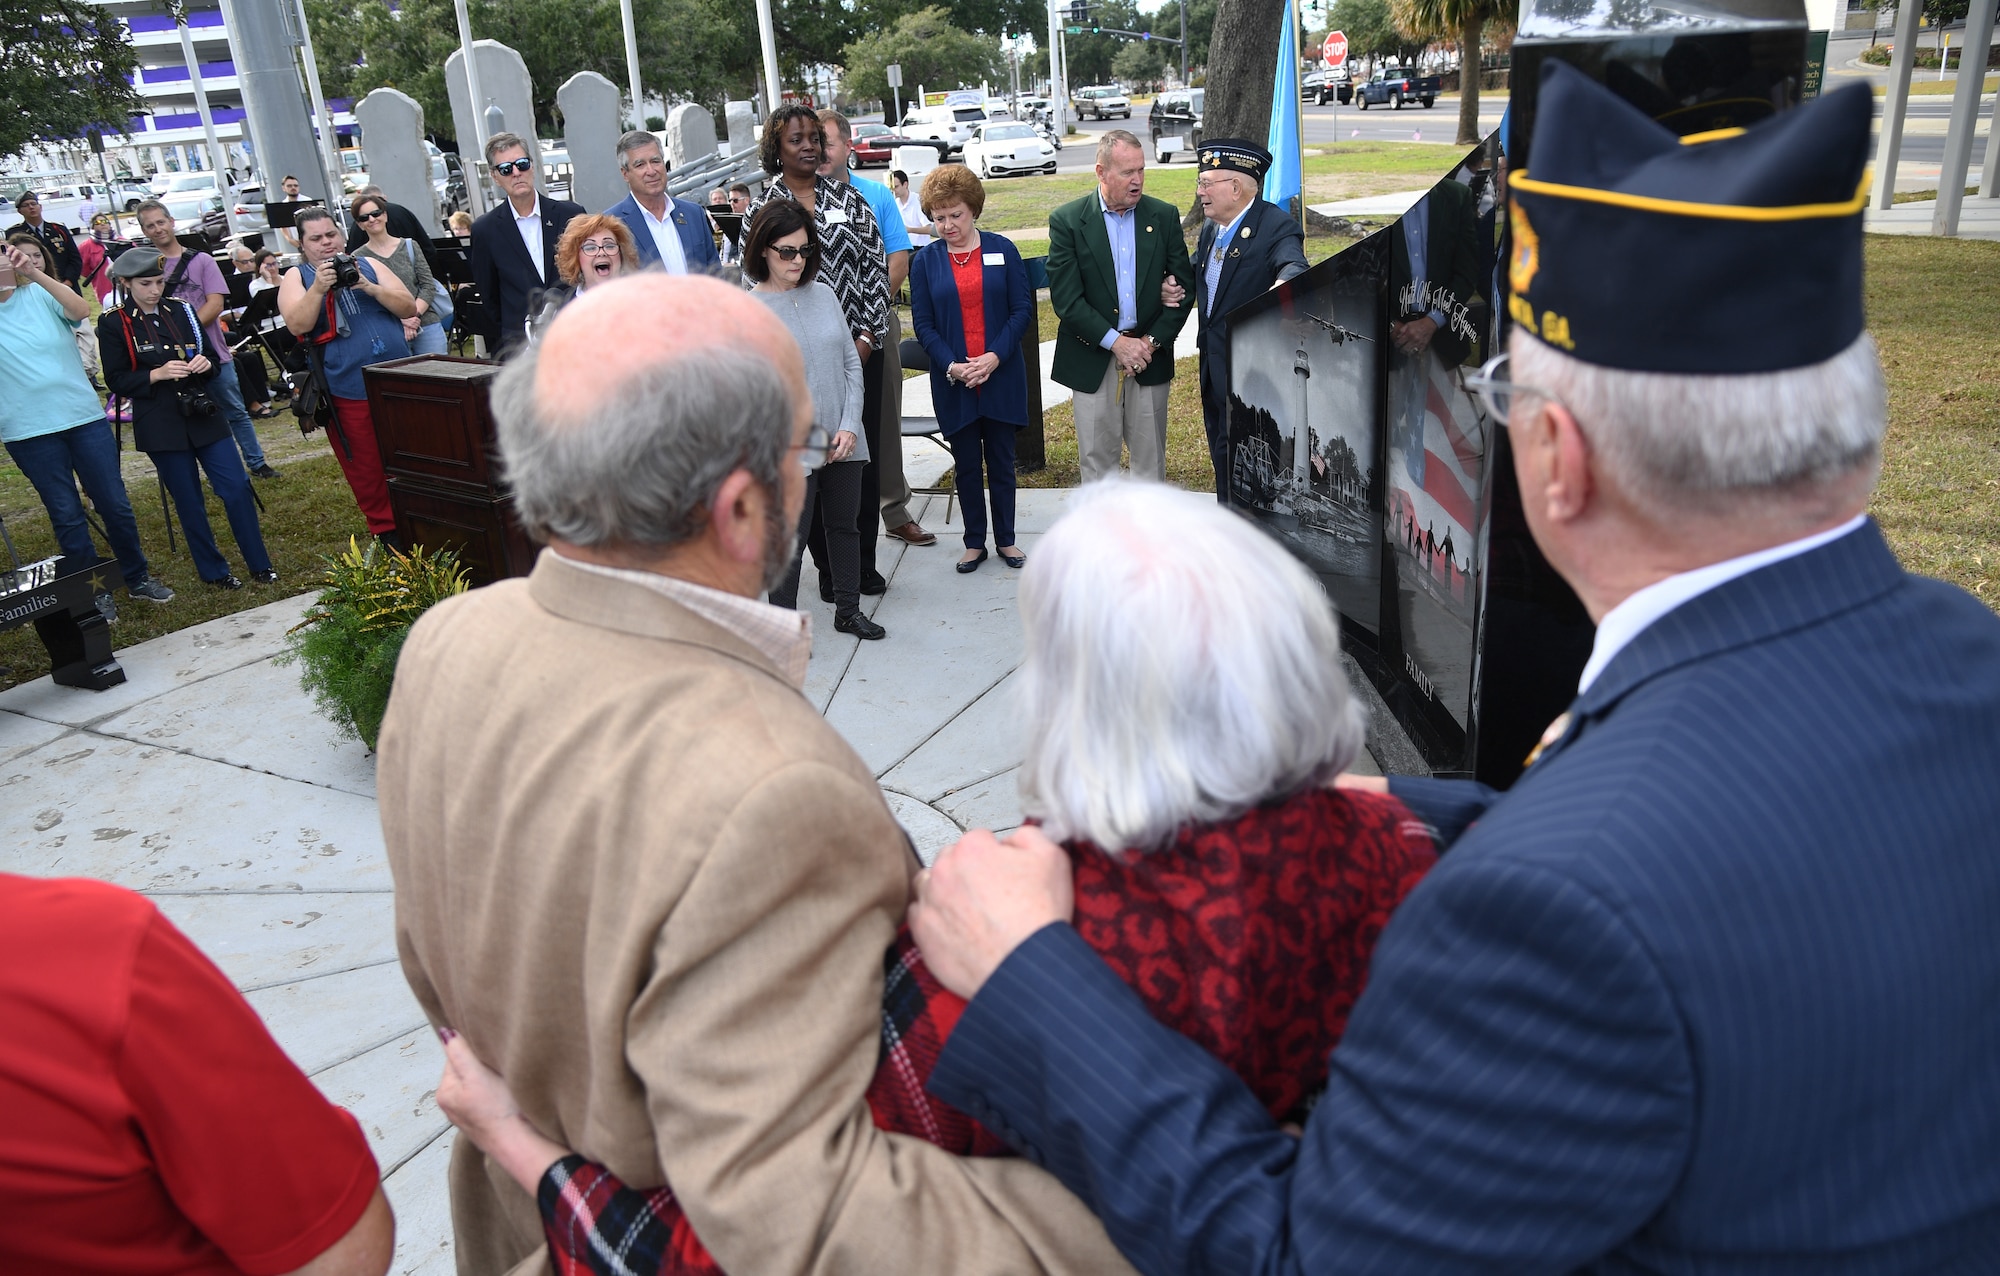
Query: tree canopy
[[1370, 30], [931, 51], [65, 68]]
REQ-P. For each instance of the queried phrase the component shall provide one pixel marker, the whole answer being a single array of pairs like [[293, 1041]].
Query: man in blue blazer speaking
[[1715, 987], [673, 234]]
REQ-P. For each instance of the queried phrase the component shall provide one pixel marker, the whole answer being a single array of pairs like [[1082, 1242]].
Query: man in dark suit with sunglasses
[[514, 245]]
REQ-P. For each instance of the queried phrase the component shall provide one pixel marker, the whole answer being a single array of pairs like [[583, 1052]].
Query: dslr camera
[[195, 402], [345, 273]]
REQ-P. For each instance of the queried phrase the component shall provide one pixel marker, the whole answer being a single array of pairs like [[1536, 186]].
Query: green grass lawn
[[1345, 170], [1938, 500]]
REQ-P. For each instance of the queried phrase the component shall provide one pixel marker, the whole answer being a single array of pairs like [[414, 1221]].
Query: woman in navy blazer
[[979, 387]]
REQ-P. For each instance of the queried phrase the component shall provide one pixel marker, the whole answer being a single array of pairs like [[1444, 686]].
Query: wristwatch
[[1152, 341]]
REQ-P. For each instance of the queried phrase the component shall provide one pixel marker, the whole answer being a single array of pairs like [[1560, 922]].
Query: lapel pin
[[1244, 233]]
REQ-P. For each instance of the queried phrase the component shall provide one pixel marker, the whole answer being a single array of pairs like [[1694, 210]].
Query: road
[[1923, 130]]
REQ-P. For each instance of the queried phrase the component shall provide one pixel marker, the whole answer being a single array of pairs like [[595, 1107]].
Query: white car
[[997, 150], [952, 125], [182, 183]]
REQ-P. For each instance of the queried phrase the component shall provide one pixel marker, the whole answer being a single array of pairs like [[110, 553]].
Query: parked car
[[1175, 122], [1327, 85], [1394, 86], [246, 212], [951, 125], [998, 150], [165, 184], [198, 212], [447, 181], [1102, 102], [877, 143]]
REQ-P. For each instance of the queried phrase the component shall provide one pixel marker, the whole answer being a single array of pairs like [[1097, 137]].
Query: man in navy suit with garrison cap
[[1716, 986]]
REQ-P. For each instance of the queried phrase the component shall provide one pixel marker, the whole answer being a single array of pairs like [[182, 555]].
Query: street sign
[[1334, 49], [895, 73], [1072, 30]]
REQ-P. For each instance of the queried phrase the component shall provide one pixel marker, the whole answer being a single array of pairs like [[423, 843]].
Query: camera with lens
[[346, 274], [195, 401]]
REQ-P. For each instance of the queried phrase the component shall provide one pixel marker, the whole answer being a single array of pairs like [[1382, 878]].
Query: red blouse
[[970, 276]]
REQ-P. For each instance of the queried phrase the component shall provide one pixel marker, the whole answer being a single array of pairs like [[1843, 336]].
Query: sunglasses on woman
[[521, 165], [792, 252], [373, 214]]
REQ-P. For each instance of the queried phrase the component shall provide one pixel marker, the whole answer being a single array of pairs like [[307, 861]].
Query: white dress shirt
[[530, 226], [1629, 619], [782, 635], [666, 237]]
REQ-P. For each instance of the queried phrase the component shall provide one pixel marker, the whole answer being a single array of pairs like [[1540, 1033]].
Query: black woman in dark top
[[156, 357]]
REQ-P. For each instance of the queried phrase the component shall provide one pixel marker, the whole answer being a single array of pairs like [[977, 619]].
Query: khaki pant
[[1133, 417], [889, 457]]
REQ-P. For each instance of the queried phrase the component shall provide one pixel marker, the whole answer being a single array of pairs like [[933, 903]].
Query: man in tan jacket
[[633, 866]]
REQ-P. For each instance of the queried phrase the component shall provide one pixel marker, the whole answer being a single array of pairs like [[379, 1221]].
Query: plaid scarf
[[596, 1226]]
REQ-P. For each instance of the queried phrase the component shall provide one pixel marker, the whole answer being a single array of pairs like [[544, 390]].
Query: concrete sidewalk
[[209, 783]]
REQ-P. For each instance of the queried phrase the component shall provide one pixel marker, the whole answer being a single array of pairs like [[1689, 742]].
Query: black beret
[[1727, 252]]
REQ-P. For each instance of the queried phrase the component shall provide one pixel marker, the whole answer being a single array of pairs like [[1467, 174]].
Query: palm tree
[[1466, 19]]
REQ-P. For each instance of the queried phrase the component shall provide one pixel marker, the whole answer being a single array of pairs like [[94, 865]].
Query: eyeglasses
[[599, 248], [510, 167], [1210, 183], [1497, 393], [812, 452], [376, 215]]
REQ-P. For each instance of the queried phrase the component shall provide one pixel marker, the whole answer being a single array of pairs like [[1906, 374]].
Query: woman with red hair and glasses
[[595, 248]]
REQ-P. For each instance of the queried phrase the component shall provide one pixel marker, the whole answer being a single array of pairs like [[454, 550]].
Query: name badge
[[836, 217], [994, 259]]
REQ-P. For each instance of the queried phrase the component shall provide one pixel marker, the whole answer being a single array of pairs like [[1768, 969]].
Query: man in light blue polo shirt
[[53, 424], [887, 458]]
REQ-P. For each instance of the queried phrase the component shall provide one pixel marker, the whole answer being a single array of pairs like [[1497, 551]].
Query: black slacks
[[869, 525], [833, 501]]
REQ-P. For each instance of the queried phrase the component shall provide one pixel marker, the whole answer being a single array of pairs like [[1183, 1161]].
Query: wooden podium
[[434, 426]]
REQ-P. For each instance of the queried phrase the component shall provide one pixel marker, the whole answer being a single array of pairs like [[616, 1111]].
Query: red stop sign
[[1334, 49]]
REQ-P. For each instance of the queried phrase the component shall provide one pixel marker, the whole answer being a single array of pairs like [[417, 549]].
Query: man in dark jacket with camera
[[348, 315]]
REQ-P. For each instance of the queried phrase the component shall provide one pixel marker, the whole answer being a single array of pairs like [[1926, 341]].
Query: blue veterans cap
[[1727, 252], [1234, 155]]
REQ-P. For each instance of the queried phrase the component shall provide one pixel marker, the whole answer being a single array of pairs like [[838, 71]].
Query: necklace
[[962, 259]]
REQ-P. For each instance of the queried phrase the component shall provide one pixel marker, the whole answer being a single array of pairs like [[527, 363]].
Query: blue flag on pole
[[1285, 180]]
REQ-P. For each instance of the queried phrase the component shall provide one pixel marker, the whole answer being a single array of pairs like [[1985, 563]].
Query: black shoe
[[264, 471], [227, 582], [392, 540], [969, 566], [873, 584], [269, 576], [859, 625], [1017, 560]]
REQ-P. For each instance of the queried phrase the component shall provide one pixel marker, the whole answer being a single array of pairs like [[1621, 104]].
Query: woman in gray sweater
[[781, 252]]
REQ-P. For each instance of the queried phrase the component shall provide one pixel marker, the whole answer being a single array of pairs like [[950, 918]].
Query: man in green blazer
[[1120, 280]]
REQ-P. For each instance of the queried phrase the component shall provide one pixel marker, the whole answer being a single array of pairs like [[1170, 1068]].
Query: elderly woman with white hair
[[1187, 713]]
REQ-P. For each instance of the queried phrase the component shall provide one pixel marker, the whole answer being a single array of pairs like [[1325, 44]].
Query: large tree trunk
[[1468, 80], [1242, 68]]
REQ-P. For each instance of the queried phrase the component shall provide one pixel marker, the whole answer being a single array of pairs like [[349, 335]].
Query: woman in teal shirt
[[53, 424]]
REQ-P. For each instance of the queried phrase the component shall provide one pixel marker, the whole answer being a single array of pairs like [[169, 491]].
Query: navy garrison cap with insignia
[[1729, 252], [1234, 155], [141, 261]]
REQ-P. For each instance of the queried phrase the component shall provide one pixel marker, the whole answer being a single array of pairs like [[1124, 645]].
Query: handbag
[[440, 299]]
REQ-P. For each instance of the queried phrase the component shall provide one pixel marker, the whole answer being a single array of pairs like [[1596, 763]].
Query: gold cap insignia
[[1527, 251]]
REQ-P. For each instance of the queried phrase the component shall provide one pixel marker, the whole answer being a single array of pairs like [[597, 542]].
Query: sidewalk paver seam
[[93, 723], [317, 974], [203, 757], [421, 1025], [1004, 675], [920, 802], [442, 1131]]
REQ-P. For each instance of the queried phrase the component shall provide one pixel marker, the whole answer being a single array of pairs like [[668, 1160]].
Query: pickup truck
[[1393, 86]]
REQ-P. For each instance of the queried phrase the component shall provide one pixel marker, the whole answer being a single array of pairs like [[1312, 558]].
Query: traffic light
[[1079, 11]]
